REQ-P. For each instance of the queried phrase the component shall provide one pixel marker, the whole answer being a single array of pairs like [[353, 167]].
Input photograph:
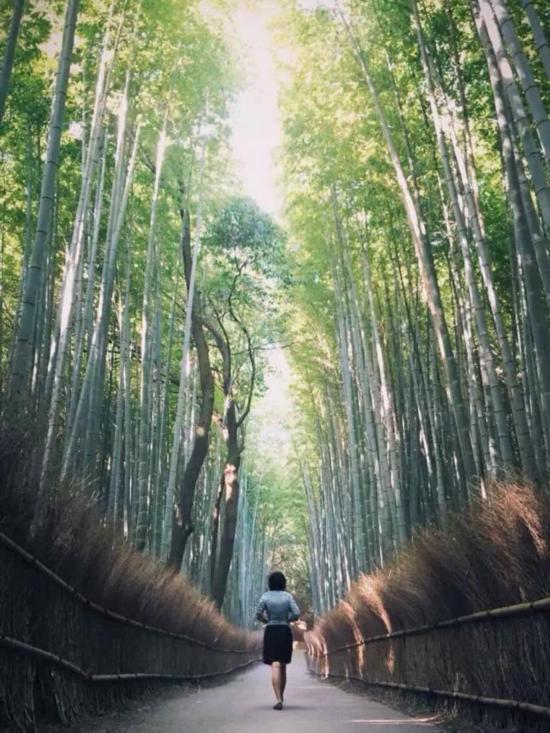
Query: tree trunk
[[171, 511], [181, 514]]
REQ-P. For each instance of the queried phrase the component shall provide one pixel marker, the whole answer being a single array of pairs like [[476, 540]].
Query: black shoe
[[278, 706]]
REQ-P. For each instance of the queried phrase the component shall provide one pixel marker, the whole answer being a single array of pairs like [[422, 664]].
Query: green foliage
[[332, 137], [243, 261], [242, 236]]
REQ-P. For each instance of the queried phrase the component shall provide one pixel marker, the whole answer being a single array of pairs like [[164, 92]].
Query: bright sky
[[255, 115], [256, 137]]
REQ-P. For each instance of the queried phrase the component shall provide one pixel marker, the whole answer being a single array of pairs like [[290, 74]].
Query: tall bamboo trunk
[[145, 432], [492, 43], [114, 504], [9, 53], [539, 36], [23, 356]]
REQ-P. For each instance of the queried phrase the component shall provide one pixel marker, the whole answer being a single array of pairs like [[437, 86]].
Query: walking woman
[[277, 609]]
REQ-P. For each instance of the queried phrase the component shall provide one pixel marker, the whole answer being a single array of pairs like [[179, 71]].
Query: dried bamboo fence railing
[[478, 659], [59, 650]]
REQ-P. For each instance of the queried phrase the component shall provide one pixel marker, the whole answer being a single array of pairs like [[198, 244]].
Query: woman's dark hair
[[276, 581]]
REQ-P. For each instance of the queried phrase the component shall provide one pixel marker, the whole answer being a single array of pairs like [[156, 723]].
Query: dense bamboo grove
[[131, 273], [141, 292], [417, 176]]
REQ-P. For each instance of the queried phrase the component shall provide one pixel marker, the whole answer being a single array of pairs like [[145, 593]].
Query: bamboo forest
[[275, 296]]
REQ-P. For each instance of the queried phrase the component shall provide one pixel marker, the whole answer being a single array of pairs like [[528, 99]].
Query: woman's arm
[[294, 614], [261, 611]]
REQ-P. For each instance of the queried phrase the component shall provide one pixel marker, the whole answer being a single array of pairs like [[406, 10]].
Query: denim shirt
[[278, 606]]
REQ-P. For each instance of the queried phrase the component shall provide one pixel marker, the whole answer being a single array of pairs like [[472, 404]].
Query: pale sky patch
[[273, 414], [315, 4], [256, 139], [255, 115]]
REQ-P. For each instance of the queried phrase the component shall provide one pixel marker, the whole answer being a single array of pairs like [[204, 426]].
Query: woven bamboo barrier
[[513, 705], [518, 609], [62, 654], [27, 557], [463, 651]]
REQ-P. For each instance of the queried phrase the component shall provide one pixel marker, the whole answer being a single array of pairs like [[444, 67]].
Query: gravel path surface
[[244, 705]]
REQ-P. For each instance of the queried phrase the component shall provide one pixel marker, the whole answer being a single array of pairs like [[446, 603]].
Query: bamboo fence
[[62, 654], [476, 659]]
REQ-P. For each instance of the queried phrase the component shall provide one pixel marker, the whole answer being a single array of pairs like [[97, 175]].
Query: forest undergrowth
[[495, 553]]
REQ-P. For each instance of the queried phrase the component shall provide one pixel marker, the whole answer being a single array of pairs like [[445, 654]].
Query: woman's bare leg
[[283, 680], [276, 680]]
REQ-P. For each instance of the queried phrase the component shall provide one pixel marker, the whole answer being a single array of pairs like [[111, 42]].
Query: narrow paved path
[[244, 705]]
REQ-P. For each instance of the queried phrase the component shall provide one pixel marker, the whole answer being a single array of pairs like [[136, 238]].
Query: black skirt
[[277, 644]]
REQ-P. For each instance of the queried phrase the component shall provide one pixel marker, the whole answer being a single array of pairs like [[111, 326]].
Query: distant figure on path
[[277, 609]]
